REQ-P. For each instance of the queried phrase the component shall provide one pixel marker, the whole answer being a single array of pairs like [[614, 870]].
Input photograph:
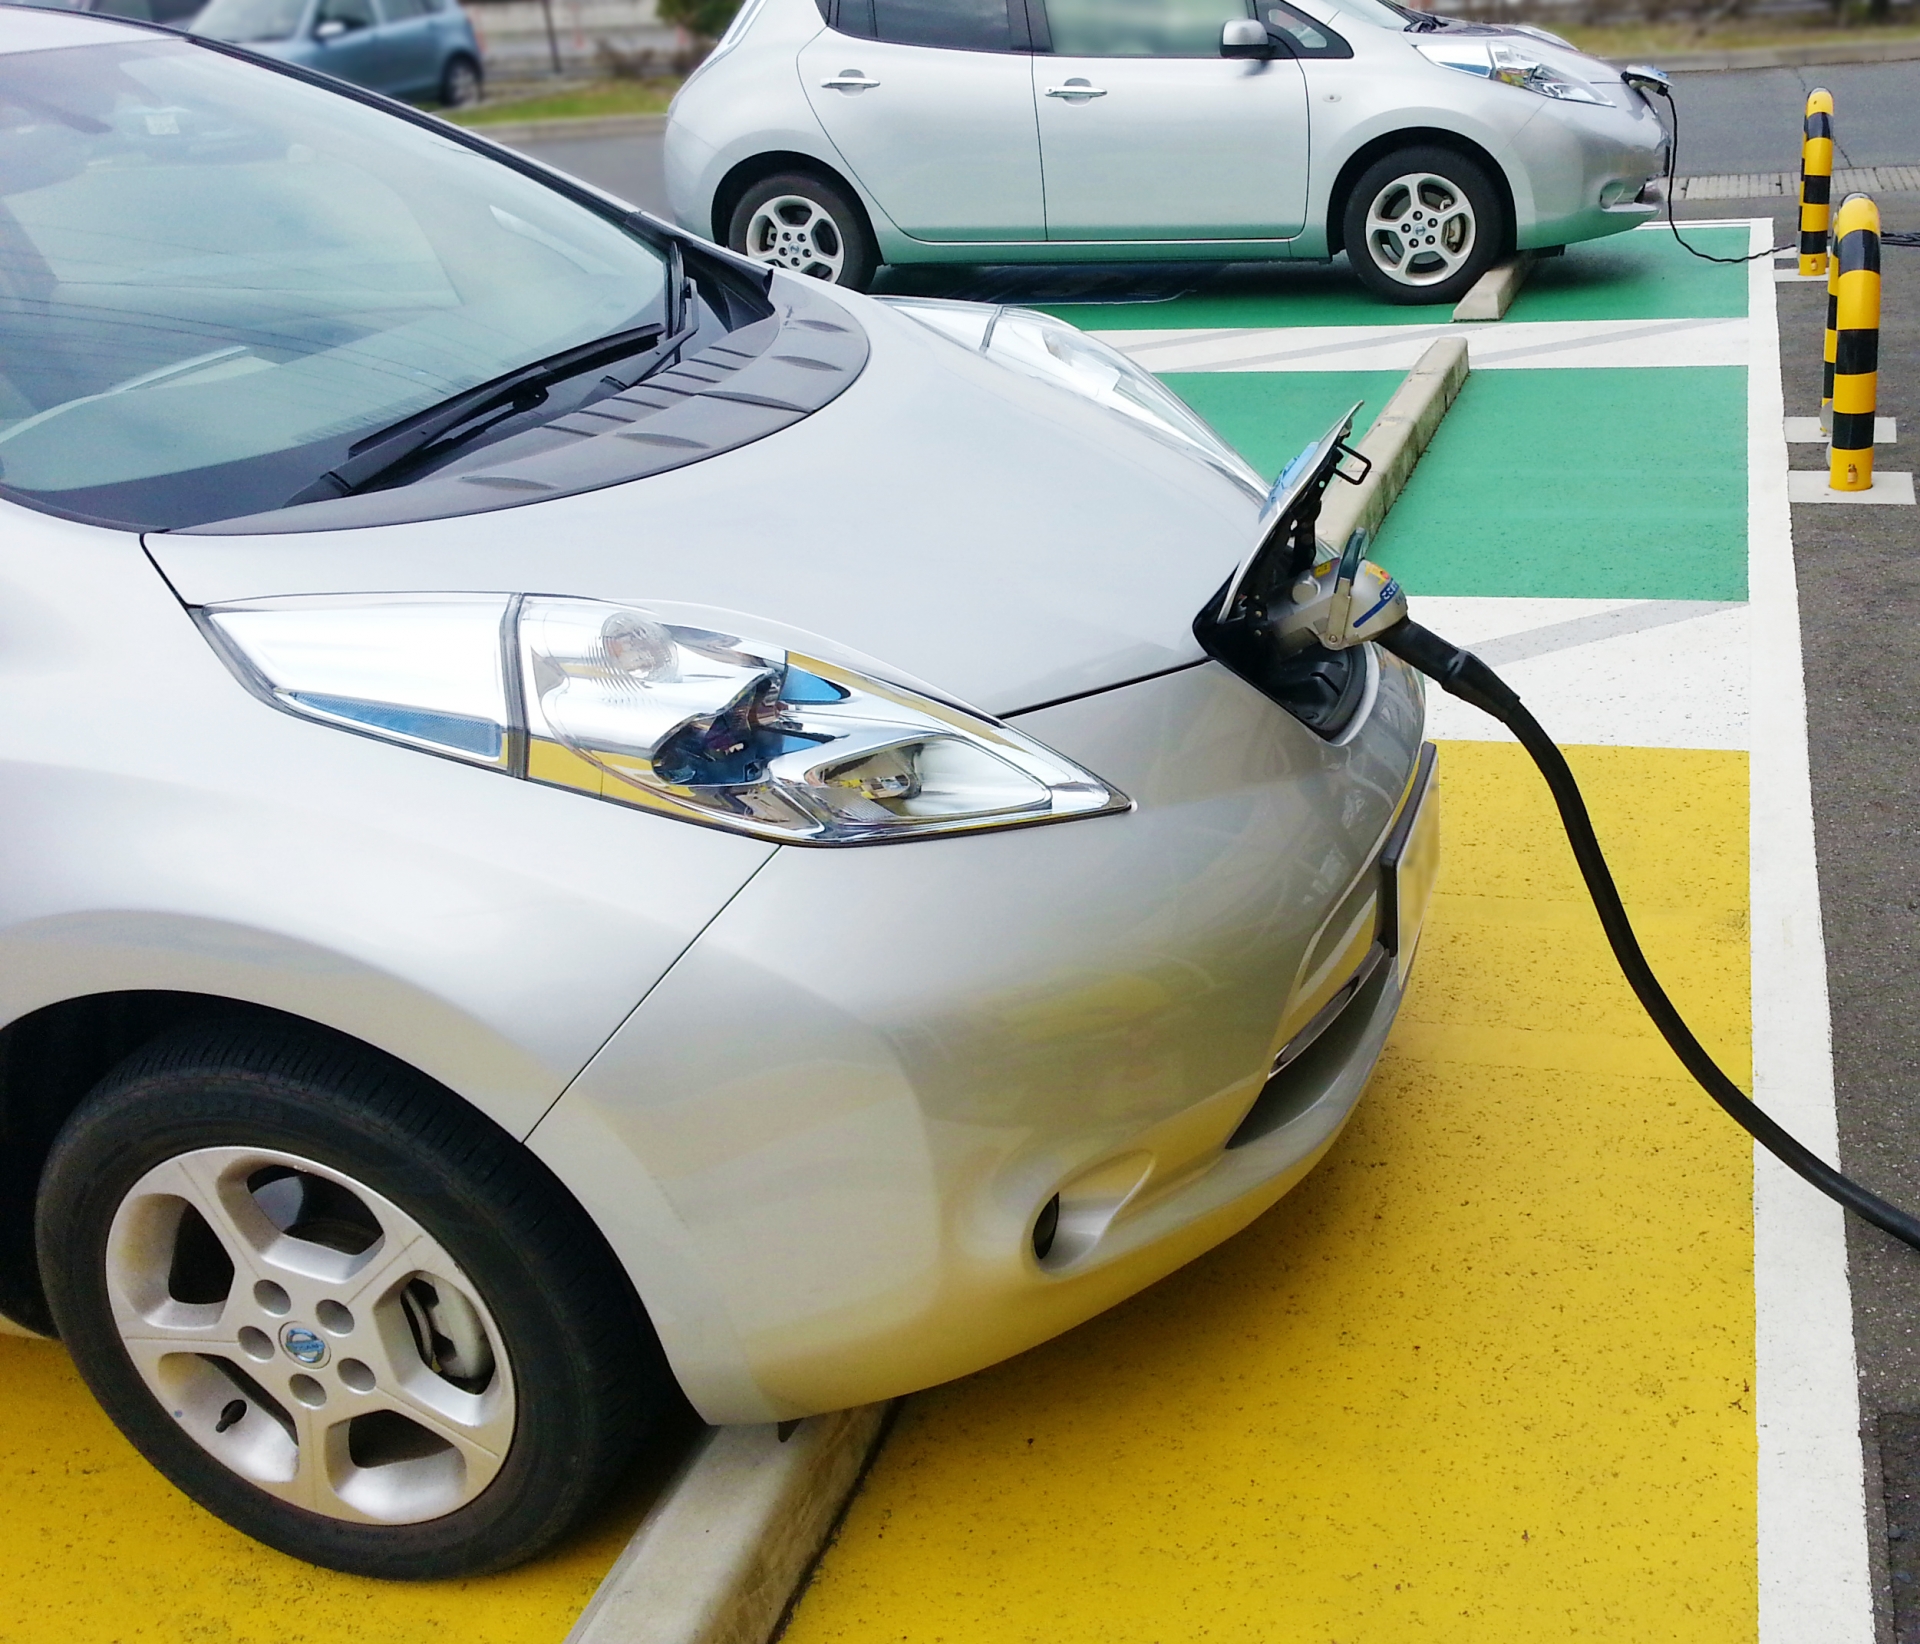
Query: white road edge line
[[1812, 1553]]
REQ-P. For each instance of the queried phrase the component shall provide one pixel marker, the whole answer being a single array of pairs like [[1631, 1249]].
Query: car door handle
[[848, 80], [1076, 88]]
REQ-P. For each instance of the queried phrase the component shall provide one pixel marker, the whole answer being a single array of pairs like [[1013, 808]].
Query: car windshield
[[214, 278], [244, 20]]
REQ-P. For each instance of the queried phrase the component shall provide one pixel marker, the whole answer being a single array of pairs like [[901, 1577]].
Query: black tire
[[579, 1379], [823, 233], [1446, 273], [461, 83]]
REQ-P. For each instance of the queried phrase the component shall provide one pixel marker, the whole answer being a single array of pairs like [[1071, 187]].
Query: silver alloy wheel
[[310, 1335], [797, 233], [1420, 229]]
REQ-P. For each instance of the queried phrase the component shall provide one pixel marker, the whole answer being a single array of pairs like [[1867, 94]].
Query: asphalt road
[[1730, 123], [628, 166], [1750, 121]]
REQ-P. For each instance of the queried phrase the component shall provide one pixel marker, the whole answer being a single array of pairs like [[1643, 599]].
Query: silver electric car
[[585, 822], [830, 136]]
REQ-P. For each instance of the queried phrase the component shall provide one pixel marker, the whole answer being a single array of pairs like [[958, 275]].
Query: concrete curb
[[1394, 443], [726, 1549], [513, 133], [1762, 57], [1773, 185], [1493, 293]]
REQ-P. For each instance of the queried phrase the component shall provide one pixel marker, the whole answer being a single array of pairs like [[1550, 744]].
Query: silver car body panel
[[974, 173], [1557, 158], [166, 830], [840, 1199]]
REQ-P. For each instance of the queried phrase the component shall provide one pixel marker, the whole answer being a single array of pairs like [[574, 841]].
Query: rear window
[[951, 25], [215, 277]]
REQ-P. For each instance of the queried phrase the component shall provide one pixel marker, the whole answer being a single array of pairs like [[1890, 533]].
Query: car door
[[346, 36], [410, 51], [1148, 133], [931, 104]]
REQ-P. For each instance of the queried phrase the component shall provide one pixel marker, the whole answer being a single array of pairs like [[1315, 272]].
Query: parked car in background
[[417, 49], [829, 136]]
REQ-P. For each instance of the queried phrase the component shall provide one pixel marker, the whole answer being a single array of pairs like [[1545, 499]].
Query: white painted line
[[1791, 276], [1814, 1585], [1810, 485], [1605, 672], [721, 1555], [1500, 345], [1807, 431]]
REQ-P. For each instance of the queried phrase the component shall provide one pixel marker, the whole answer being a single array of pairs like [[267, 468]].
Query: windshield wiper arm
[[378, 454]]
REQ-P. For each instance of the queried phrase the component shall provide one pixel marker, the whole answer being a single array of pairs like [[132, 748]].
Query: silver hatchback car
[[830, 136], [588, 823]]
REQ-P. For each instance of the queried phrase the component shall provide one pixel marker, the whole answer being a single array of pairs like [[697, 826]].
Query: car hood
[[995, 536]]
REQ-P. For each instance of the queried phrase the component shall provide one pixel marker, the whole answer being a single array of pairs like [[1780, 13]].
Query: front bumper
[[1586, 170], [821, 1144]]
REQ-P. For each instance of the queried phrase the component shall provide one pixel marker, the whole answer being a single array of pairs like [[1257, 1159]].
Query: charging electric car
[[830, 136], [584, 822]]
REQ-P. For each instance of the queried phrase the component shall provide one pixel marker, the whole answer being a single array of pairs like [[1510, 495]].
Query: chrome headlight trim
[[710, 725], [1515, 63]]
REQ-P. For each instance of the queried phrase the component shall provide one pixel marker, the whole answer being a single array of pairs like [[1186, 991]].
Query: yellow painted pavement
[[97, 1548], [1485, 1376]]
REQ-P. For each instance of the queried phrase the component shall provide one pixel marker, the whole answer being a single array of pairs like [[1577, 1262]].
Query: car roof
[[36, 28]]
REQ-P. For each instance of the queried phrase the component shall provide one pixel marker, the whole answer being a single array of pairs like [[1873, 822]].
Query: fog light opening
[[1045, 1226]]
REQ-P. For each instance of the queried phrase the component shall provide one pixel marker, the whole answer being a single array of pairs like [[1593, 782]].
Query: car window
[[954, 25], [241, 21], [214, 277], [401, 11], [1140, 28], [356, 14], [958, 25], [1301, 33]]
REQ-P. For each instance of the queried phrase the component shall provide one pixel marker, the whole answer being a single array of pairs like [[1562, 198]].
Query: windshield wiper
[[373, 458]]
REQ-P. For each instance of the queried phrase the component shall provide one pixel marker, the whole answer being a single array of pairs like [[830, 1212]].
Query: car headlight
[[1512, 63], [617, 701], [1039, 345]]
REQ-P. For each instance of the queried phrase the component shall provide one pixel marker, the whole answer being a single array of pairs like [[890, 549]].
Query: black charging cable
[[1673, 159], [1464, 675]]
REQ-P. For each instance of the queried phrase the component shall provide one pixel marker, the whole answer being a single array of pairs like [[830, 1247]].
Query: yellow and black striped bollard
[[1829, 343], [1816, 182], [1856, 357]]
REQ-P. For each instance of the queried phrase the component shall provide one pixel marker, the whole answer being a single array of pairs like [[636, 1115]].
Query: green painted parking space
[[1642, 275], [1645, 275], [1256, 295], [1270, 416], [1581, 484]]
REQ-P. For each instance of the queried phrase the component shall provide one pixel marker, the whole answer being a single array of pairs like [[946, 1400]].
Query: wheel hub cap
[[310, 1335], [793, 232], [1420, 229]]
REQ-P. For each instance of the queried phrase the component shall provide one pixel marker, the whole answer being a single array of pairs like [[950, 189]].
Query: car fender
[[1368, 100], [489, 932]]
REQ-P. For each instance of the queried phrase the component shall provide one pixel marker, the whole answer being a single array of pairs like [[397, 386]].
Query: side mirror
[[328, 29], [1245, 37]]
